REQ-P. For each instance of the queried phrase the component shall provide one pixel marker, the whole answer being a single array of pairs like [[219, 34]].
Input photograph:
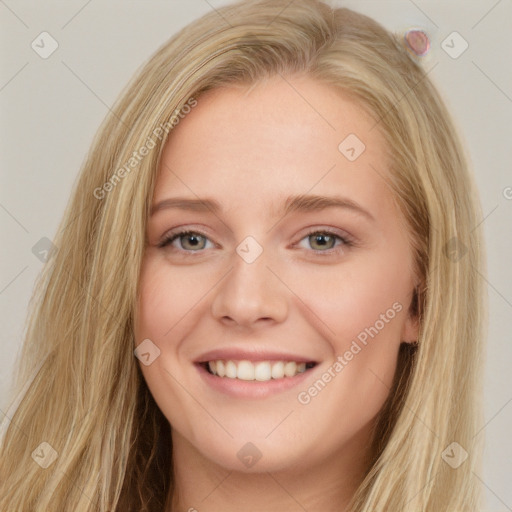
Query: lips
[[235, 354]]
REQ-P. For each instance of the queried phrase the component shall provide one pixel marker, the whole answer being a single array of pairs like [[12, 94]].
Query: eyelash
[[346, 241]]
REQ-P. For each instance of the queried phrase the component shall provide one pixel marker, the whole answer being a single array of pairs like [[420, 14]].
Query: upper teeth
[[262, 370]]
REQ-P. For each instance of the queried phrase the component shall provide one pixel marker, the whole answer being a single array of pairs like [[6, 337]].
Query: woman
[[265, 294]]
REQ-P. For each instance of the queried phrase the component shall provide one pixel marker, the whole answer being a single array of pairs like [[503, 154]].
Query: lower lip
[[251, 388]]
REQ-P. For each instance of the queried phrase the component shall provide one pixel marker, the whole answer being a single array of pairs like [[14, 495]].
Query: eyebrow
[[297, 203]]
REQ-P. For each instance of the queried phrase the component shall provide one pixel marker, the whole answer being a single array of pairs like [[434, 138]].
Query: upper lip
[[235, 354]]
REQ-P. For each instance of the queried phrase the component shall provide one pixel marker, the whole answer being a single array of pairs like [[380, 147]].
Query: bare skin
[[304, 295]]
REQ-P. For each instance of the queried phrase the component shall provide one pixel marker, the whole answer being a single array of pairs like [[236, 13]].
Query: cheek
[[163, 313], [364, 315], [166, 298], [155, 306], [354, 299], [361, 309]]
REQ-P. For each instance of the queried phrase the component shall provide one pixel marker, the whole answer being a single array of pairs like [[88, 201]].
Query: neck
[[200, 485]]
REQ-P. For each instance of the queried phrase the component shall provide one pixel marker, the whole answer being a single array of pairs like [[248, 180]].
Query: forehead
[[280, 137]]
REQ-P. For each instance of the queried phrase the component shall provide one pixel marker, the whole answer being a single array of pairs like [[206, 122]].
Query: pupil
[[191, 241], [321, 239]]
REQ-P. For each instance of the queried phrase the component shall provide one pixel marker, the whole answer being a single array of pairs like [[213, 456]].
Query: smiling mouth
[[259, 371]]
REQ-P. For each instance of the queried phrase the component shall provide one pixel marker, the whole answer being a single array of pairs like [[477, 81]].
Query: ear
[[411, 327]]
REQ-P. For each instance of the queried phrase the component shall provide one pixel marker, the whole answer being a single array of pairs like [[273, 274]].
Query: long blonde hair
[[85, 395]]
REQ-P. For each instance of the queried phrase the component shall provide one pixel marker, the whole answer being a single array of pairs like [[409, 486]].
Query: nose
[[250, 294]]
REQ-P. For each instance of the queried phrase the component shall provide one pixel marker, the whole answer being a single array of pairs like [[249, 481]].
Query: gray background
[[50, 109]]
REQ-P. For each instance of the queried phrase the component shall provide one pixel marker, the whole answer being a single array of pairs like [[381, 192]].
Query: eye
[[321, 241], [325, 241], [189, 241]]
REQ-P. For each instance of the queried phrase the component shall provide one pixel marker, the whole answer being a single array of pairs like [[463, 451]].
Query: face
[[276, 317]]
